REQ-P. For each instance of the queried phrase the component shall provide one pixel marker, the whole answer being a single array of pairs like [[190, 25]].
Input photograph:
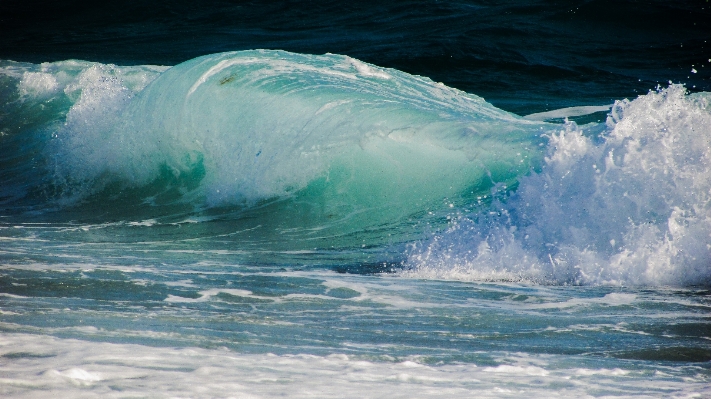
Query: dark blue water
[[524, 57], [319, 199]]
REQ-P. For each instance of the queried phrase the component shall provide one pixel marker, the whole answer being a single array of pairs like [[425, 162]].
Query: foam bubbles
[[59, 113], [80, 376], [129, 370], [38, 84], [99, 93], [630, 206]]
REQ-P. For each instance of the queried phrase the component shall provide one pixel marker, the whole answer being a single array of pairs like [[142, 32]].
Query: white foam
[[72, 76], [632, 206], [368, 70], [612, 299], [80, 376], [70, 368], [144, 223], [613, 372], [207, 294], [38, 84], [516, 370]]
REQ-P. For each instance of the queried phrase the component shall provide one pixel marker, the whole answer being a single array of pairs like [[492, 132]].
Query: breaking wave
[[626, 202]]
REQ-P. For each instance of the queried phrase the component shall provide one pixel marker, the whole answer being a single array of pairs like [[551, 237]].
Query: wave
[[309, 142], [629, 205], [328, 152]]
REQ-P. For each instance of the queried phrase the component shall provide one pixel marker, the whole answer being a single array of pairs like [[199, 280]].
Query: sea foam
[[631, 206], [73, 368]]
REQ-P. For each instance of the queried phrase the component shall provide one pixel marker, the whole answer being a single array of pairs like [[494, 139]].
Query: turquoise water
[[333, 221], [407, 235]]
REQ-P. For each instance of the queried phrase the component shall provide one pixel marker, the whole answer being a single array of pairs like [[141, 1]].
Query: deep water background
[[522, 56]]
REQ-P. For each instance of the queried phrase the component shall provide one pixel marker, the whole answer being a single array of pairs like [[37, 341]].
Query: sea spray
[[631, 205], [49, 106]]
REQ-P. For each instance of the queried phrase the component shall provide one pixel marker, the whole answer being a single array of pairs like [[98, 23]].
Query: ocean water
[[306, 199]]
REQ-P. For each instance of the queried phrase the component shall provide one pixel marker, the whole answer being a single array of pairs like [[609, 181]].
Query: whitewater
[[260, 223]]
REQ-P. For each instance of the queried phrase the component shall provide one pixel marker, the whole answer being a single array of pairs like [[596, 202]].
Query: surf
[[324, 156], [627, 202]]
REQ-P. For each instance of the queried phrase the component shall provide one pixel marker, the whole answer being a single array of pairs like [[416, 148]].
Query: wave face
[[628, 205], [310, 143]]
